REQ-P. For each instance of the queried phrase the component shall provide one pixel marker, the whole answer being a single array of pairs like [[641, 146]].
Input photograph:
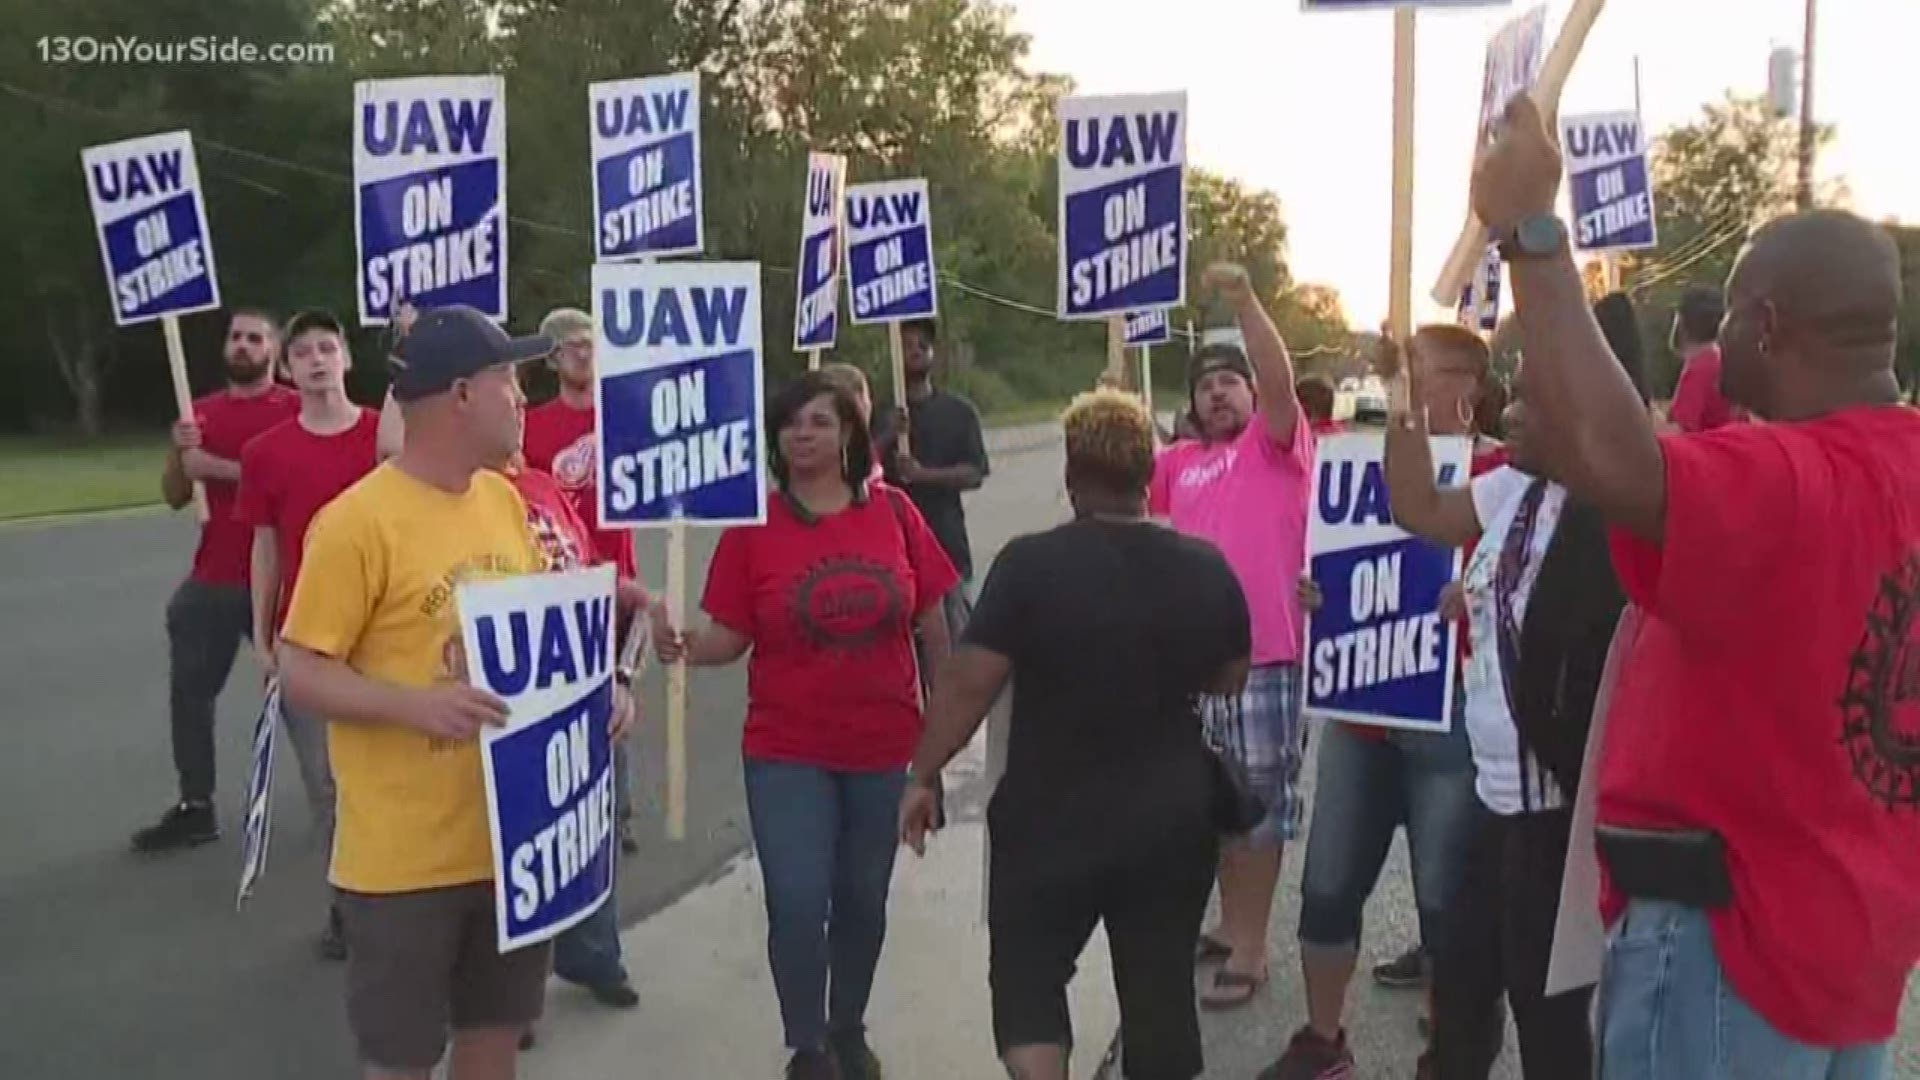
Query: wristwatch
[[1536, 237]]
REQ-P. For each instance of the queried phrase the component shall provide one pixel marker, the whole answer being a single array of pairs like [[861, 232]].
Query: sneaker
[[812, 1065], [620, 995], [332, 945], [1411, 970], [1311, 1056], [186, 825], [857, 1060]]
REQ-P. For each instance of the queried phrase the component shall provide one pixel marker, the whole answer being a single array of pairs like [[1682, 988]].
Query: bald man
[[1759, 792]]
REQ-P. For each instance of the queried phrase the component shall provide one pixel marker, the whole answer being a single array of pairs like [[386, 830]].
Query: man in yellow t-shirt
[[372, 644]]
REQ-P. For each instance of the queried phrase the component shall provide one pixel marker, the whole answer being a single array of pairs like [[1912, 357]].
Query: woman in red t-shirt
[[828, 595]]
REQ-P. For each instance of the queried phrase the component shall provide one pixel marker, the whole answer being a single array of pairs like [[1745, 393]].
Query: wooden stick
[[677, 683], [1610, 271], [1117, 350], [899, 352], [813, 359], [183, 397], [1400, 261], [1146, 378], [1471, 246]]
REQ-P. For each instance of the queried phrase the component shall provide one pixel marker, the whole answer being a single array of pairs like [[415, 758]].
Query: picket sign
[[1609, 184], [1471, 244]]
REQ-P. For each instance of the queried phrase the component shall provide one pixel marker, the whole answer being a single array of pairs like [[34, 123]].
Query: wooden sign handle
[[898, 350], [183, 398], [1400, 262], [677, 683], [1471, 246]]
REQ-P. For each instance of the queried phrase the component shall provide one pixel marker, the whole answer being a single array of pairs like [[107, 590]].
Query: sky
[[1301, 104]]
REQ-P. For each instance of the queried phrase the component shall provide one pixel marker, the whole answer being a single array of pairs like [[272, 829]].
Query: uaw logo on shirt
[[574, 467], [1880, 710], [847, 603], [1202, 475]]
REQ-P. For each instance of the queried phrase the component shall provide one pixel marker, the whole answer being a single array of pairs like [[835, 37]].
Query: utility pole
[[1804, 195]]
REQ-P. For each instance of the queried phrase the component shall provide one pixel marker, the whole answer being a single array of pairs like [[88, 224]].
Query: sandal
[[1231, 990], [1211, 948]]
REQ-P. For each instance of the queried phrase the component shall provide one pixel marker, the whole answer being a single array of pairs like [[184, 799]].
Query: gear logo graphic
[[1880, 709]]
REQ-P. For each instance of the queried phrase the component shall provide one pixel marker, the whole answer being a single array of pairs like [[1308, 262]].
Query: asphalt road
[[113, 965]]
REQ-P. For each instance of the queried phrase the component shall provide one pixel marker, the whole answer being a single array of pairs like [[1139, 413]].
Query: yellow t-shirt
[[376, 590]]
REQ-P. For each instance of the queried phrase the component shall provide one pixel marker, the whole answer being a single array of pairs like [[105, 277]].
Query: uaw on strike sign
[[1378, 651], [678, 387], [154, 240], [543, 643], [1123, 204], [816, 308], [1612, 192], [890, 274], [646, 167], [430, 194]]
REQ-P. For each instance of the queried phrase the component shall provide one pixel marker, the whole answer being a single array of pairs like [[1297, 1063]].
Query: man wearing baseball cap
[[372, 643]]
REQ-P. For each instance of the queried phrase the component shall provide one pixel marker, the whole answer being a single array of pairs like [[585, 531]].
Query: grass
[[41, 476]]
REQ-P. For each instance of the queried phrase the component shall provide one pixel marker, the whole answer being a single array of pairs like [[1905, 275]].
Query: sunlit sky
[[1301, 104]]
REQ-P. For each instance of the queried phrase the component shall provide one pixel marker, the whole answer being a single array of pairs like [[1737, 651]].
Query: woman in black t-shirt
[[1113, 630]]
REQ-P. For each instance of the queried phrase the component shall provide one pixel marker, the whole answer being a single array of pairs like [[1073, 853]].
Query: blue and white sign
[[1514, 56], [678, 389], [1123, 204], [816, 303], [1378, 651], [543, 643], [152, 222], [258, 826], [890, 272], [1148, 327], [1611, 186], [646, 167], [1480, 300], [430, 194]]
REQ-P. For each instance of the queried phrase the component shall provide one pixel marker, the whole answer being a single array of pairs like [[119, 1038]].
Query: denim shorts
[[1266, 736]]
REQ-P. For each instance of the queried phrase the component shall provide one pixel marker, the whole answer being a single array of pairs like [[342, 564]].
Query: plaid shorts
[[1266, 736]]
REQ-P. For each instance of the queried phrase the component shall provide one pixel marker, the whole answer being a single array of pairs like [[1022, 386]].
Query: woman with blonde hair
[[1114, 630]]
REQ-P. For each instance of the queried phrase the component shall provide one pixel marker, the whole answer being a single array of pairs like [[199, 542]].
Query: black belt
[[1682, 866]]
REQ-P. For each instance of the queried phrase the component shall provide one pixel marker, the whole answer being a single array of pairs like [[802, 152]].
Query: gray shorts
[[422, 963]]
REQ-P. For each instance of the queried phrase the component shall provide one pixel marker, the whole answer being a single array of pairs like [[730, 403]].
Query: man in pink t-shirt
[[1243, 485]]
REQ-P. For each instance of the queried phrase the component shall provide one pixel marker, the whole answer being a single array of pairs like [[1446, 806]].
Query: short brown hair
[[847, 377], [1109, 441], [1460, 341]]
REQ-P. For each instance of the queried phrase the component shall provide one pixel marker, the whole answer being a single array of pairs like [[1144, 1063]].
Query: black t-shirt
[[945, 431], [1114, 629]]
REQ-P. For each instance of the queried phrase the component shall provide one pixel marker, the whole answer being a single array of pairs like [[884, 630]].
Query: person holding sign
[[828, 595], [210, 615], [1116, 631], [1757, 783], [1244, 485], [1542, 603], [372, 643], [286, 476]]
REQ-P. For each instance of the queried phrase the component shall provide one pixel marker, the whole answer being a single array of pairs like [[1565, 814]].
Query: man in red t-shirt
[[286, 475], [560, 442], [209, 615], [1758, 786], [1698, 403]]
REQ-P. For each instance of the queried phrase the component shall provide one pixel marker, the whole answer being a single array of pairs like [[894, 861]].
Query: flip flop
[[1211, 948], [1231, 990]]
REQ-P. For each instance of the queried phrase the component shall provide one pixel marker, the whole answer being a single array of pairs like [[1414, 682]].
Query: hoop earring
[[1464, 413]]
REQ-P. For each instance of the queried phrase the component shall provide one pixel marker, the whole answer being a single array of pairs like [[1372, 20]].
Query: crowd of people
[[1702, 622]]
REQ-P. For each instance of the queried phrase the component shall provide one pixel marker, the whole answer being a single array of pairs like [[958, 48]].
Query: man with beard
[[286, 476], [1243, 486], [210, 614]]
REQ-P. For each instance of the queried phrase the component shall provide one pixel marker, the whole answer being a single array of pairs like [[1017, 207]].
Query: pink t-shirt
[[1249, 498]]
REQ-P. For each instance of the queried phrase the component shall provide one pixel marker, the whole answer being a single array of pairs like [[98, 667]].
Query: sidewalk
[[708, 1010]]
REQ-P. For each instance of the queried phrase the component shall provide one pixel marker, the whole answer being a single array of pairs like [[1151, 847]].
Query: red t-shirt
[[1773, 696], [563, 539], [288, 473], [559, 441], [228, 422], [1697, 403], [830, 606]]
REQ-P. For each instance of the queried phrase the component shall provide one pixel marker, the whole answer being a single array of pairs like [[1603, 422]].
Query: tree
[[1715, 181]]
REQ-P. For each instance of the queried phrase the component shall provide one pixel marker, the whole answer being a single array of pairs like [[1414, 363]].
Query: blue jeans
[[825, 840], [588, 954], [1667, 1012], [1365, 789]]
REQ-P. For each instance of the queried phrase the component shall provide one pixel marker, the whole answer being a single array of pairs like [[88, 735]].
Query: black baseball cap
[[312, 319], [447, 344]]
